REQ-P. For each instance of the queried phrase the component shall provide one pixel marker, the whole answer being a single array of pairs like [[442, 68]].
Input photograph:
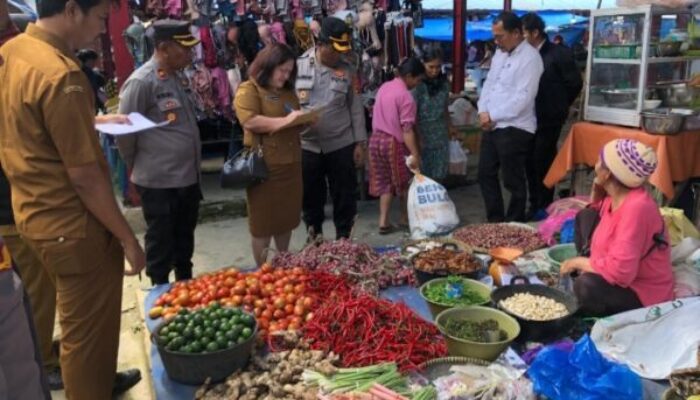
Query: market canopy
[[529, 5], [565, 23]]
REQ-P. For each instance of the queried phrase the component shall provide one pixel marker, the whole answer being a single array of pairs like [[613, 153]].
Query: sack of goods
[[431, 212], [458, 159]]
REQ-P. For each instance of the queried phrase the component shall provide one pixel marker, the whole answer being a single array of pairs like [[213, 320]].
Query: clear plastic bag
[[458, 159]]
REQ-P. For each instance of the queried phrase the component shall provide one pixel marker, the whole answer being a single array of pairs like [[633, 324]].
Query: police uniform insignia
[[339, 73], [303, 94], [172, 117], [161, 73], [185, 82]]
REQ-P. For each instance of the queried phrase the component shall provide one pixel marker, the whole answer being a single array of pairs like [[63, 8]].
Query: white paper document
[[138, 123]]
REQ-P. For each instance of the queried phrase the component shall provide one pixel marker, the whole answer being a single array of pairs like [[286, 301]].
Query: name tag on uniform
[[273, 97]]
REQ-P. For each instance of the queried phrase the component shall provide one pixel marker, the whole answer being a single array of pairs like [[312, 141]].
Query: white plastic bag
[[462, 113], [652, 341], [458, 159], [431, 212]]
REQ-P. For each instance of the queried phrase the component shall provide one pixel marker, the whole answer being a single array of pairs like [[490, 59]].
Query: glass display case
[[635, 56]]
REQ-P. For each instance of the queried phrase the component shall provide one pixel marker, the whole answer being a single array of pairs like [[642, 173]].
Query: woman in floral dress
[[432, 98]]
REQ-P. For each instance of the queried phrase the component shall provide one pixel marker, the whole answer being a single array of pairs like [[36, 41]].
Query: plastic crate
[[624, 51]]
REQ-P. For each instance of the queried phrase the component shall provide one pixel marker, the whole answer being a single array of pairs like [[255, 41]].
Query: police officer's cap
[[336, 32], [173, 30]]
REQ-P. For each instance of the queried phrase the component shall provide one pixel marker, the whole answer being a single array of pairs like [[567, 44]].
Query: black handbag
[[246, 168]]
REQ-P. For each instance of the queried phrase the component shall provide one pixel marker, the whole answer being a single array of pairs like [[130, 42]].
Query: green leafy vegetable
[[439, 293], [487, 331]]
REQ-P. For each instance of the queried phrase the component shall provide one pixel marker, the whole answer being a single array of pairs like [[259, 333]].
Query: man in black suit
[[560, 84]]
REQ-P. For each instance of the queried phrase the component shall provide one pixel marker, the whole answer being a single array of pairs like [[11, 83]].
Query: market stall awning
[[530, 5], [567, 24]]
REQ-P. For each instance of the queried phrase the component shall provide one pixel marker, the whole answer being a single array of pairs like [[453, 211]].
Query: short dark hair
[[533, 22], [511, 22], [432, 55], [49, 8], [411, 66], [269, 58]]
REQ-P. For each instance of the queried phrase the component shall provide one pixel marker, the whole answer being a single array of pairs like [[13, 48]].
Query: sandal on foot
[[385, 230]]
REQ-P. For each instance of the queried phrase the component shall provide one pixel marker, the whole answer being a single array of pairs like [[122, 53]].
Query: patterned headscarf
[[630, 161]]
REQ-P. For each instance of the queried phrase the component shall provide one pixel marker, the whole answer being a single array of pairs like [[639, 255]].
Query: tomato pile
[[280, 299]]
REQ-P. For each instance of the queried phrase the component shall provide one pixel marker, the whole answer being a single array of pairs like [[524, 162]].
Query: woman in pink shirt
[[630, 262], [393, 139]]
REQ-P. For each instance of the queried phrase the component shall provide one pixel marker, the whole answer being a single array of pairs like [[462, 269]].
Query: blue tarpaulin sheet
[[165, 388]]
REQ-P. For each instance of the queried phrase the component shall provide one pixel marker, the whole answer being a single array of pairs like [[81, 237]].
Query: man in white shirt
[[507, 117]]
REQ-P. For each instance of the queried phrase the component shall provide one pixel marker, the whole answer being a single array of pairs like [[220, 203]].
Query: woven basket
[[438, 367]]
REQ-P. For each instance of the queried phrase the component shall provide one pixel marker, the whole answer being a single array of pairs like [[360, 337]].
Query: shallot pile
[[485, 237], [362, 266]]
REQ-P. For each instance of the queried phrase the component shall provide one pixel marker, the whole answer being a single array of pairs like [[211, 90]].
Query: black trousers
[[171, 216], [505, 150], [544, 150], [338, 169], [597, 298]]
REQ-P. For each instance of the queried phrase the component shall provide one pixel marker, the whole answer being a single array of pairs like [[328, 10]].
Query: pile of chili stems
[[364, 330], [358, 262]]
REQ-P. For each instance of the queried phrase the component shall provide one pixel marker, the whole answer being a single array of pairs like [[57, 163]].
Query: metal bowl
[[668, 49], [662, 122], [619, 96], [677, 94]]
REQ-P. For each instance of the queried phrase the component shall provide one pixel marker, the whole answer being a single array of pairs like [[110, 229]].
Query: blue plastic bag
[[582, 374], [566, 235]]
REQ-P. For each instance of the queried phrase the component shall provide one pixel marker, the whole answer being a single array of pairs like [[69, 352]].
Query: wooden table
[[678, 155]]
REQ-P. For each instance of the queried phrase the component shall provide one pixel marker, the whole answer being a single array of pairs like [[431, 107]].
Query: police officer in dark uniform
[[335, 146], [165, 161]]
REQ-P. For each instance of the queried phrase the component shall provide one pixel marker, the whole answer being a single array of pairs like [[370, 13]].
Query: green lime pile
[[206, 330]]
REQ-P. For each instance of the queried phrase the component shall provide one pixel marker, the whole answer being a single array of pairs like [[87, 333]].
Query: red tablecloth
[[678, 155]]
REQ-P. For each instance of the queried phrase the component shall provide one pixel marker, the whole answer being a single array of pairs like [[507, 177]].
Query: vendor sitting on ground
[[630, 261]]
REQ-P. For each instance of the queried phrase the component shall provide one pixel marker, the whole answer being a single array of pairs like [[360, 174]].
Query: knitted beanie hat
[[630, 161]]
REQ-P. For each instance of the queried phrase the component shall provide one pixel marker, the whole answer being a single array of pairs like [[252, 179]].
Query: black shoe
[[314, 235], [126, 380], [55, 379]]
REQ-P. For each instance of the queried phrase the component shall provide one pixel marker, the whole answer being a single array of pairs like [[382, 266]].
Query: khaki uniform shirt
[[47, 117], [342, 122], [168, 156], [281, 147]]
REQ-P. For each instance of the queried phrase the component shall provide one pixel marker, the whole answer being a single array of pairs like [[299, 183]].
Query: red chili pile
[[358, 262], [364, 330]]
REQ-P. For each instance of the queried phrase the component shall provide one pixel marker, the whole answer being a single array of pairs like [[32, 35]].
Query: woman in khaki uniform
[[265, 105]]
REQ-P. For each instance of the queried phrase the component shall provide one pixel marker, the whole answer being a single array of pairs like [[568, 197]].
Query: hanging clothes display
[[232, 32]]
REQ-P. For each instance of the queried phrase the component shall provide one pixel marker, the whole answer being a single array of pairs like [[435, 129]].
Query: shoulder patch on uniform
[[73, 88]]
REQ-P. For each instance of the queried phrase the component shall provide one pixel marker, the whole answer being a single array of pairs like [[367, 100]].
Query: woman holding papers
[[268, 109]]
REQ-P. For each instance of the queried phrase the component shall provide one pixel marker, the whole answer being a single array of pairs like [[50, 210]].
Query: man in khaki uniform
[[61, 192], [39, 287]]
